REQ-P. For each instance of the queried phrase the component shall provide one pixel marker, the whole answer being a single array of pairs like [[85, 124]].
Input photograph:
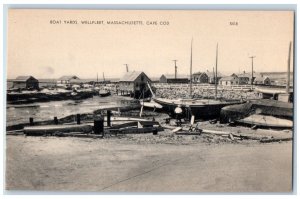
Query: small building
[[245, 78], [69, 80], [134, 83], [200, 77], [211, 77], [229, 80], [262, 80], [173, 80], [26, 82]]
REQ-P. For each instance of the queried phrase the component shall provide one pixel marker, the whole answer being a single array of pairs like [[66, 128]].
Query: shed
[[68, 79], [228, 81], [211, 77], [245, 77], [200, 77], [134, 83], [262, 80], [26, 82], [171, 79]]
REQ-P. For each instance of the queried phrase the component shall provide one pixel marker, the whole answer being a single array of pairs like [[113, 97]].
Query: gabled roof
[[68, 77], [249, 74], [172, 76], [212, 74], [197, 73], [131, 76], [209, 74], [24, 78], [200, 73], [228, 78], [260, 78]]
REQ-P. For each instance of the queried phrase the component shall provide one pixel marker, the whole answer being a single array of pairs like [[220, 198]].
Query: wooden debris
[[214, 121], [254, 127], [206, 131], [176, 129], [80, 135], [15, 132], [127, 124], [51, 129], [275, 139], [231, 136], [135, 130]]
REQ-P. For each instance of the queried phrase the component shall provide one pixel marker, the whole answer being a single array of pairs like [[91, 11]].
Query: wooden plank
[[128, 124], [207, 131], [176, 129], [231, 136], [276, 140], [49, 129], [140, 130]]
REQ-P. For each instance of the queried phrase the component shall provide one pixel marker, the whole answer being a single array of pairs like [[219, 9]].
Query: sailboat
[[104, 92], [200, 108]]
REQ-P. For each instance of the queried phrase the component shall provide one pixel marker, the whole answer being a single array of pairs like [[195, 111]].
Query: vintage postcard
[[176, 101]]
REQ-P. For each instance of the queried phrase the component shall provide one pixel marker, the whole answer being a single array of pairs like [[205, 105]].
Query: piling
[[55, 120], [108, 117], [31, 121], [99, 126], [78, 118], [155, 132]]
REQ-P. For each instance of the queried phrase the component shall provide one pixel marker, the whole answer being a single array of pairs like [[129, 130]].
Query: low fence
[[203, 87]]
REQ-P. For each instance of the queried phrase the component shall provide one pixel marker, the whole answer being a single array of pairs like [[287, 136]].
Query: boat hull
[[203, 111], [104, 94]]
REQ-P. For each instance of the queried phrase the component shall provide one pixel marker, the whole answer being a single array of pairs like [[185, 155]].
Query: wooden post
[[99, 126], [31, 121], [155, 132], [108, 117], [78, 118], [55, 120]]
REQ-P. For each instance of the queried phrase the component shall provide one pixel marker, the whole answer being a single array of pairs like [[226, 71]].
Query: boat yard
[[187, 101], [145, 148]]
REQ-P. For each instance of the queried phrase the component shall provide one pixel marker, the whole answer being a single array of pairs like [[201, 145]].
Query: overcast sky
[[37, 47]]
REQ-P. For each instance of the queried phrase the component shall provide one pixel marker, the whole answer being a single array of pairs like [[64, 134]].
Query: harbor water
[[40, 111]]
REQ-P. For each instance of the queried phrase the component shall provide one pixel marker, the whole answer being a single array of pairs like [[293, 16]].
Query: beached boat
[[263, 107], [104, 93], [200, 108], [266, 121], [151, 104]]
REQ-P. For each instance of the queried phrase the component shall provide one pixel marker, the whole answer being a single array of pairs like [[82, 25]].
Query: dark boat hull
[[104, 94], [206, 111], [264, 107]]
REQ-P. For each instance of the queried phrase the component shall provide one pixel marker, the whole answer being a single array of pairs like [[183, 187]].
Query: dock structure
[[26, 82], [134, 84]]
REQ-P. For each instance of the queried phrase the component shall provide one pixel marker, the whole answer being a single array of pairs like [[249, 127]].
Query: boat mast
[[191, 68], [103, 77], [288, 70], [175, 68], [97, 78], [127, 70], [252, 57], [216, 76]]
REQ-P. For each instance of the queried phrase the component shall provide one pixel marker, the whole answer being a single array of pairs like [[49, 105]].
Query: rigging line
[[140, 174]]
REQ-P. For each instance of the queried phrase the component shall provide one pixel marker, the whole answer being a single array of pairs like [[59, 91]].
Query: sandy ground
[[147, 163]]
